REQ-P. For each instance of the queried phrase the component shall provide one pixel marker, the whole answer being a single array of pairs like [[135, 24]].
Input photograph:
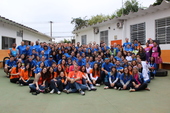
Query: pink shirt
[[137, 78]]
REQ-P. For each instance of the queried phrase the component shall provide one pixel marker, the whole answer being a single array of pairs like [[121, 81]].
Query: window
[[162, 30], [104, 37], [83, 39], [7, 42], [20, 33], [137, 31]]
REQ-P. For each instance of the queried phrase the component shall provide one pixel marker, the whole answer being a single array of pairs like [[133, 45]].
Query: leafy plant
[[158, 2], [97, 19], [79, 22]]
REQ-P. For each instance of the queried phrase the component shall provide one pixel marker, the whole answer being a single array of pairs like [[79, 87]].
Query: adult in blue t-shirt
[[9, 64], [106, 66], [126, 43], [21, 48], [49, 62], [36, 46]]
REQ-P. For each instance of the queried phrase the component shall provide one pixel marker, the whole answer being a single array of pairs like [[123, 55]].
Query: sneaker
[[98, 85], [17, 82], [58, 92], [82, 92], [68, 91], [89, 89], [65, 90], [31, 91], [52, 91], [21, 84], [36, 93], [119, 88], [115, 88], [93, 88]]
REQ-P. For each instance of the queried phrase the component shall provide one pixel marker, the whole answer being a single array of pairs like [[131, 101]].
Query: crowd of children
[[70, 68]]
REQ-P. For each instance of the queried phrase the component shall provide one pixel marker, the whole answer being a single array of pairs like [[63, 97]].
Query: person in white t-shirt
[[129, 58]]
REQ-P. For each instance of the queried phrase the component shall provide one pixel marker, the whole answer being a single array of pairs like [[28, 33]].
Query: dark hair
[[134, 61], [94, 70], [141, 50], [29, 69], [153, 60], [41, 63], [44, 75], [17, 66], [63, 60], [58, 72], [115, 73], [82, 68], [49, 73], [128, 72]]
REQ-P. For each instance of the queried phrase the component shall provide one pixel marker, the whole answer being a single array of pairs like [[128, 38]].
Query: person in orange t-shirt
[[58, 84], [86, 79], [25, 76], [39, 82], [15, 73], [75, 78], [95, 75]]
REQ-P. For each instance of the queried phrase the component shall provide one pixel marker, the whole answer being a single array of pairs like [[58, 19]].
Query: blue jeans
[[77, 87], [58, 87], [33, 87]]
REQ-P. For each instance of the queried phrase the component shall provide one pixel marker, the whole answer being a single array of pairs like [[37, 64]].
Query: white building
[[153, 22], [11, 32]]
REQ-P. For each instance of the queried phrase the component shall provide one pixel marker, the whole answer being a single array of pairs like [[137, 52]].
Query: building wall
[[8, 30], [149, 20], [113, 31], [124, 32], [89, 34]]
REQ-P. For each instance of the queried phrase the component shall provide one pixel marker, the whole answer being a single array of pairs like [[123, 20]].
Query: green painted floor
[[17, 99]]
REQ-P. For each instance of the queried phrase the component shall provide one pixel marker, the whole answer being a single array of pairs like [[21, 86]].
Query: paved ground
[[17, 99]]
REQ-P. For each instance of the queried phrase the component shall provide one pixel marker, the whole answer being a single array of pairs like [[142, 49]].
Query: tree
[[65, 41], [129, 6], [79, 22], [97, 19], [158, 2]]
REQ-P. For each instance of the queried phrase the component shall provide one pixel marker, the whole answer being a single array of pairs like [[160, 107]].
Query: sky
[[37, 14]]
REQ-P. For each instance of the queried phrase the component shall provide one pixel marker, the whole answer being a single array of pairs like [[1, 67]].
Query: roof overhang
[[5, 20]]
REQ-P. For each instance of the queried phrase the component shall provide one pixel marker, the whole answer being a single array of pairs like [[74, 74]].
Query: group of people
[[70, 68]]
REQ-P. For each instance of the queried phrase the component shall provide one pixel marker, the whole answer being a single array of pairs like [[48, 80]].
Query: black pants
[[102, 76], [141, 87], [152, 74], [157, 66], [127, 87], [56, 85], [99, 80], [14, 80], [25, 83]]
